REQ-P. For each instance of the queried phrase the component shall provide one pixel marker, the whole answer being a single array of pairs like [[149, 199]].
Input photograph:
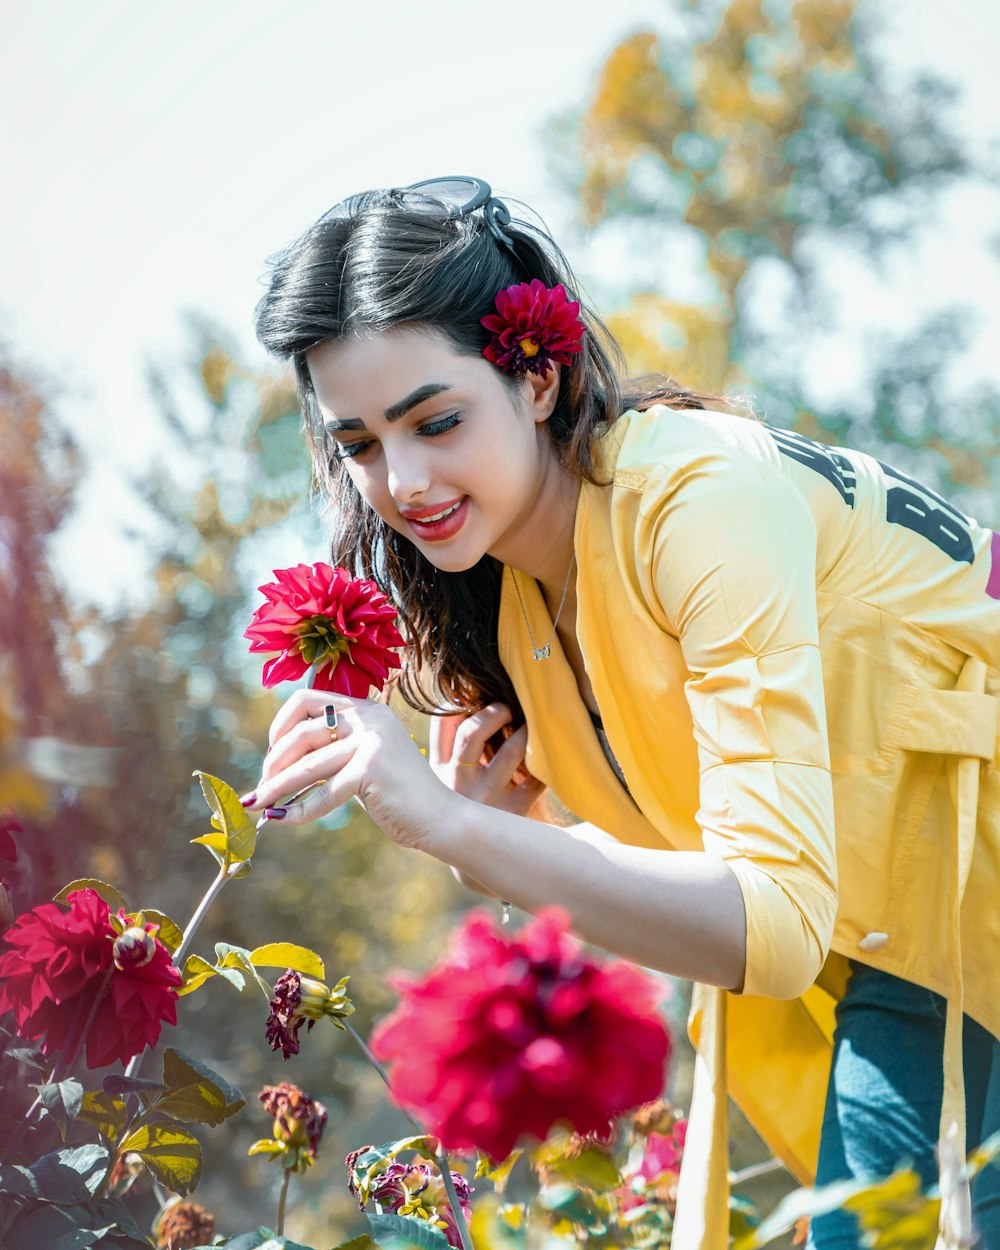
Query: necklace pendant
[[541, 653]]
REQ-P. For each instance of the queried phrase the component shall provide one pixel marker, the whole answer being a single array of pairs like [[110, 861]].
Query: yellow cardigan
[[784, 640]]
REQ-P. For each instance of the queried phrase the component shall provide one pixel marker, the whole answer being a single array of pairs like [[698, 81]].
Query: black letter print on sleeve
[[938, 522], [910, 504]]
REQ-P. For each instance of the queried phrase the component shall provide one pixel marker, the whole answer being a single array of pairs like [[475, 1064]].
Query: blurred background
[[795, 200]]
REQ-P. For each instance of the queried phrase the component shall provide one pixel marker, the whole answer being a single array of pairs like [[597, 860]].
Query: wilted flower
[[317, 615], [182, 1225], [300, 1000], [62, 962], [415, 1189], [657, 1116], [533, 325], [298, 1119], [298, 1126], [512, 1034]]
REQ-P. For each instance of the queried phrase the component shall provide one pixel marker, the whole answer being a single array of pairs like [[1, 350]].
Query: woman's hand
[[457, 750], [373, 758]]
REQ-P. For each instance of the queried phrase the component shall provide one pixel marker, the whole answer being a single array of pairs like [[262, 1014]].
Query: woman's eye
[[350, 451], [430, 428]]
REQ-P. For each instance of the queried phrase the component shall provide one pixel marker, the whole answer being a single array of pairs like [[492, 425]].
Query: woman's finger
[[441, 738], [509, 758], [306, 705], [476, 730], [311, 734]]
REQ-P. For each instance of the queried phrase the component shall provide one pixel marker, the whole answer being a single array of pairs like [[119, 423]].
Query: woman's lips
[[446, 527]]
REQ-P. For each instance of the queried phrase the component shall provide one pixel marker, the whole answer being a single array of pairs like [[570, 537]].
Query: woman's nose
[[408, 475]]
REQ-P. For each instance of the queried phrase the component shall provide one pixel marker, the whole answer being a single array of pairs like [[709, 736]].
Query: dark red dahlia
[[533, 326], [62, 964], [319, 615], [510, 1035]]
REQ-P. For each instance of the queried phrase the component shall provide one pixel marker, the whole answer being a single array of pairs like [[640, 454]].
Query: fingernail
[[276, 813], [248, 800], [268, 751]]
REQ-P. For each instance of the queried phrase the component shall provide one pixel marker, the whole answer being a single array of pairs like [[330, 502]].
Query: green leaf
[[62, 1102], [181, 1070], [591, 1169], [196, 972], [65, 1178], [114, 898], [262, 1239], [364, 1242], [26, 1055], [171, 1153], [169, 933], [106, 1113], [209, 840], [231, 819], [55, 1229], [115, 1084], [288, 955], [267, 1146], [239, 957], [398, 1231], [799, 1203]]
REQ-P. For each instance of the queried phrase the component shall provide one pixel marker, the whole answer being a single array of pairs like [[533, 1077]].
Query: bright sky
[[153, 154]]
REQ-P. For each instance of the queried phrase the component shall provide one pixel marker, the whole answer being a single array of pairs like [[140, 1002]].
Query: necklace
[[543, 653]]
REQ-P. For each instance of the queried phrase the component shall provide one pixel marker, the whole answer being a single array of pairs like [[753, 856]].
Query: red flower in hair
[[533, 325], [318, 615], [512, 1034], [63, 962]]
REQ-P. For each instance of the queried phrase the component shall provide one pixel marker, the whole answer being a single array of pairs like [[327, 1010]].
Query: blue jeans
[[884, 1100]]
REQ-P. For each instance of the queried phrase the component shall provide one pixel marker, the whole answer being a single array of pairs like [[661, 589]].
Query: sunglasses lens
[[459, 195]]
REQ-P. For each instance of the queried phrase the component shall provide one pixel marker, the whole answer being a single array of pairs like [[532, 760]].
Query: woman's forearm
[[678, 911]]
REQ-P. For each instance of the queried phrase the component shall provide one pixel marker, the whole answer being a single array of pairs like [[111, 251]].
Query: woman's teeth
[[439, 516]]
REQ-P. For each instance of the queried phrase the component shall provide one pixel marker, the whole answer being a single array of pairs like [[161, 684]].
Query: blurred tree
[[127, 704], [742, 161]]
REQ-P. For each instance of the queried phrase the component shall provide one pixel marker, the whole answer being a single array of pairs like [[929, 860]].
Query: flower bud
[[133, 949]]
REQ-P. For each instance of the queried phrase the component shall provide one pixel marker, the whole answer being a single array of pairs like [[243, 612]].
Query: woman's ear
[[540, 393]]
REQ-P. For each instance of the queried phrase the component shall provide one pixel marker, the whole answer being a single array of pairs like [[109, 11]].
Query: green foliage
[[62, 1101], [171, 1152], [106, 1112], [402, 1232], [235, 837], [113, 897]]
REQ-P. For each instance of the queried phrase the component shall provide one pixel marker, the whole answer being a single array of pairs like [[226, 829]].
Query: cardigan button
[[873, 941]]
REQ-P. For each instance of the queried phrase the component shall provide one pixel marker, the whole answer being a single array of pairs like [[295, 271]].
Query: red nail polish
[[276, 813], [248, 800]]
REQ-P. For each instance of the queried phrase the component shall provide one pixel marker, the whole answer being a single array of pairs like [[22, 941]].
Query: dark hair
[[379, 261]]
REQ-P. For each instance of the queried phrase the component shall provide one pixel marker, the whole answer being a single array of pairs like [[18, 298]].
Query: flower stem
[[441, 1159], [286, 1177]]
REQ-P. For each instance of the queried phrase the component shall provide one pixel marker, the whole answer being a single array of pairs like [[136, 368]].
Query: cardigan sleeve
[[731, 548]]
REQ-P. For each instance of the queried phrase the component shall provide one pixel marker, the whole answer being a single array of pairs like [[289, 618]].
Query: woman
[[716, 642]]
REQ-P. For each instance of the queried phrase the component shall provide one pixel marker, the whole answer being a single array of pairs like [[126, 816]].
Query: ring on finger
[[331, 721], [463, 764]]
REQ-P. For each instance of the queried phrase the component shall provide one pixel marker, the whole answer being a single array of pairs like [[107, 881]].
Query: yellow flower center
[[529, 346]]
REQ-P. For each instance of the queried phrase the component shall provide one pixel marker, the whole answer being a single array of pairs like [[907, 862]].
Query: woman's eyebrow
[[394, 411], [427, 391]]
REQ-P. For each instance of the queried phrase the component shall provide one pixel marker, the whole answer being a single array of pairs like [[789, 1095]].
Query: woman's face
[[438, 445]]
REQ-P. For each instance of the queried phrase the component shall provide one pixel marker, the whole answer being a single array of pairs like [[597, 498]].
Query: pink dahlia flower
[[510, 1035], [62, 962], [319, 615], [533, 325]]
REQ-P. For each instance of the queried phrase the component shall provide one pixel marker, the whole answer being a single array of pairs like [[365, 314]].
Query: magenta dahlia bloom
[[319, 615], [62, 962], [510, 1035], [533, 325]]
